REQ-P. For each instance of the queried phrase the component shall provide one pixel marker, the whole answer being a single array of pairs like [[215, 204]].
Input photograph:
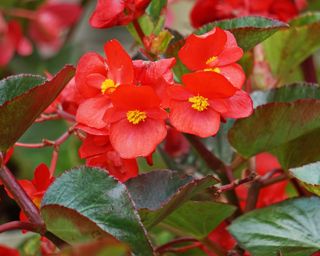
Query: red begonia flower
[[109, 13], [7, 251], [175, 143], [136, 121], [11, 41], [205, 11], [215, 51], [197, 107], [156, 74], [51, 19], [98, 151], [37, 187], [274, 193], [97, 78]]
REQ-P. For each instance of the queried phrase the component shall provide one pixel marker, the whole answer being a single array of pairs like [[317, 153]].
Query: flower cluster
[[46, 26], [37, 187], [205, 11], [126, 105], [113, 13]]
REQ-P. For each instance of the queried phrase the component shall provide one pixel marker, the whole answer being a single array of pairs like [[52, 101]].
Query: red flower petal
[[92, 111], [135, 97], [122, 169], [231, 52], [106, 13], [199, 49], [119, 63], [208, 84], [90, 63], [234, 73], [133, 140], [237, 106], [42, 178], [185, 119]]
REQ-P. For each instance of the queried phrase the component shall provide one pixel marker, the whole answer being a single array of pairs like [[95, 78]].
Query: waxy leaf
[[290, 228], [308, 176], [249, 31], [284, 50], [289, 130], [199, 218], [84, 196], [159, 193], [23, 98], [288, 93]]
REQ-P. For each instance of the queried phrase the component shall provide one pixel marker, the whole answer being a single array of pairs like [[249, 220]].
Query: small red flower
[[114, 12], [37, 187], [7, 251], [197, 107], [98, 151], [205, 11], [51, 19], [11, 41], [215, 51], [136, 121], [97, 78]]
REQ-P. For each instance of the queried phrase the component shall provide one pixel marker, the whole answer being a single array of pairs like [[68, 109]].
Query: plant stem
[[13, 225], [166, 247], [211, 160], [139, 30], [237, 183], [20, 196], [309, 70]]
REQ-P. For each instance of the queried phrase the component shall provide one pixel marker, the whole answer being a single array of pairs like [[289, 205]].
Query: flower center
[[136, 116], [211, 59], [199, 103], [108, 86], [217, 70]]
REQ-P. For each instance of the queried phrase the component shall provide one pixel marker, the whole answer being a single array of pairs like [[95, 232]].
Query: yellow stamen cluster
[[217, 70], [136, 116], [211, 59], [199, 103], [108, 86]]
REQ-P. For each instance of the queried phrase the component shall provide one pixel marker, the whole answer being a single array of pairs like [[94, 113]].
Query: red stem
[[20, 196], [169, 245], [139, 30], [19, 225]]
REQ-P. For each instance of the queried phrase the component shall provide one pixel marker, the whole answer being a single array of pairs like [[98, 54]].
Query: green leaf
[[105, 246], [289, 130], [308, 176], [249, 31], [199, 218], [86, 203], [23, 98], [290, 228], [287, 93], [159, 193], [155, 8], [283, 50]]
